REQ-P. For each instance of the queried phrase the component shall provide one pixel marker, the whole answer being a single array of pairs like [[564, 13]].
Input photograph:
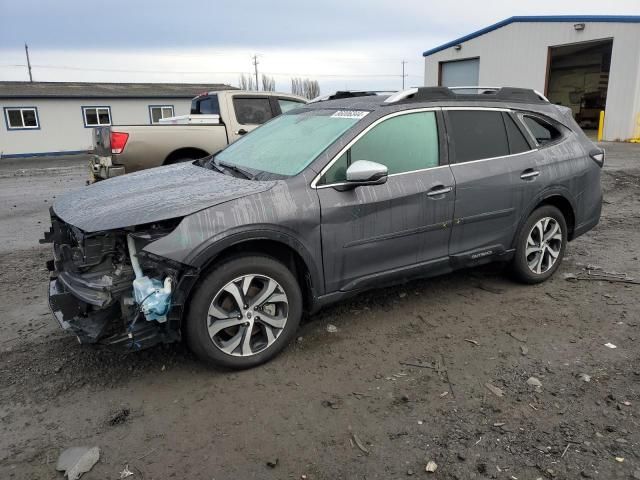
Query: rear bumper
[[101, 168]]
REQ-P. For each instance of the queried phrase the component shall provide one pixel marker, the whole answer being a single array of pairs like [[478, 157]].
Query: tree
[[305, 87], [268, 83], [246, 82]]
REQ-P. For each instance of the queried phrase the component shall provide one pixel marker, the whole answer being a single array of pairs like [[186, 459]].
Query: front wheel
[[244, 312], [540, 245]]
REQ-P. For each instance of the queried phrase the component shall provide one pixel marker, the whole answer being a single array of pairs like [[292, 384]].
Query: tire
[[214, 305], [532, 263], [173, 161]]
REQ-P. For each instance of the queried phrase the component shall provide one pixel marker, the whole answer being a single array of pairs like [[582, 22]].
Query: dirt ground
[[344, 405]]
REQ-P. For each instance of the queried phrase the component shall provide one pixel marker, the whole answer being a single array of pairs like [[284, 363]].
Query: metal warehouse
[[49, 118], [588, 63]]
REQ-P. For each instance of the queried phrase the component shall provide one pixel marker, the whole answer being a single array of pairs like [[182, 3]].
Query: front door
[[379, 231]]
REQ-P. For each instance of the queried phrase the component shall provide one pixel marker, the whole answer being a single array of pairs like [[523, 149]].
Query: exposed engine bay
[[106, 289]]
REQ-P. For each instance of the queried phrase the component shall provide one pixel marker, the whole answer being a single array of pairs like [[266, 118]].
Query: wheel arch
[[183, 152], [281, 246], [558, 198]]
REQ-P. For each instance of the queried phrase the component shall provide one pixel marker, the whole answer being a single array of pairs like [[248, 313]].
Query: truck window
[[205, 105], [252, 111], [286, 105]]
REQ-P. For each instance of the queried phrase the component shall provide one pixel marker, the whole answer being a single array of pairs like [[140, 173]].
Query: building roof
[[106, 90], [537, 19]]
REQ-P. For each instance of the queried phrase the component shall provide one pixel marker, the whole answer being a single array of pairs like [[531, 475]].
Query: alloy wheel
[[247, 315], [543, 245]]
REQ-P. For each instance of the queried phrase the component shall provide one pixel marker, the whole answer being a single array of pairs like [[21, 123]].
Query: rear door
[[494, 169], [400, 228], [248, 112]]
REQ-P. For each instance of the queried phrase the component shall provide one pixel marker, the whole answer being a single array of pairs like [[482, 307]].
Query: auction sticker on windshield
[[349, 114]]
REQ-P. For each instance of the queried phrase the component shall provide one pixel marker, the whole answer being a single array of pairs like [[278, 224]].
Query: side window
[[96, 116], [517, 141], [286, 105], [477, 134], [252, 111], [542, 131], [403, 143]]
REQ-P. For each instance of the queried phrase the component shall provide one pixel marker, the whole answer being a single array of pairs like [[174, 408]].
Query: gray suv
[[339, 196]]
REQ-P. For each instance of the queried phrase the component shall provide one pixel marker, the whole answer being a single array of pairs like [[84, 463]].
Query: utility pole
[[255, 67], [26, 50], [404, 62]]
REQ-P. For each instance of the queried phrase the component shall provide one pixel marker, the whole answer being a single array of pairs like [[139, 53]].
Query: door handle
[[439, 190], [529, 173]]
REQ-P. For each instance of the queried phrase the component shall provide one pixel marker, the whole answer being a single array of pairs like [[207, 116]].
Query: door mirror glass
[[364, 172]]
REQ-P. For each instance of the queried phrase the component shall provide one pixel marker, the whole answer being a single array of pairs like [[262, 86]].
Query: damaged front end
[[106, 289]]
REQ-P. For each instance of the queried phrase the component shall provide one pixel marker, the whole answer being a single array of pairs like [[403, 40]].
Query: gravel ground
[[431, 370]]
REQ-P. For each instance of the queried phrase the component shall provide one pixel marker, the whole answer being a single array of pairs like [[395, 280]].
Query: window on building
[[542, 131], [96, 116], [404, 143], [477, 134], [252, 111], [517, 141], [22, 118], [158, 112]]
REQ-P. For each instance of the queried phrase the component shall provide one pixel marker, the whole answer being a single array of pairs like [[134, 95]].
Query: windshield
[[290, 142]]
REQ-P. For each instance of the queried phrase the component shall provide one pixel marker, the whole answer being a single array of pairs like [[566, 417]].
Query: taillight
[[597, 155], [118, 141]]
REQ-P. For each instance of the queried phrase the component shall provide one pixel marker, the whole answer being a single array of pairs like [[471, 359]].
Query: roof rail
[[349, 94], [505, 94]]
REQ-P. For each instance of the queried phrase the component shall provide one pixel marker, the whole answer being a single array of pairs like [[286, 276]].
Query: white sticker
[[350, 114]]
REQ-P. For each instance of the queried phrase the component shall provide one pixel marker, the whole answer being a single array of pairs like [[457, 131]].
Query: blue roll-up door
[[460, 73]]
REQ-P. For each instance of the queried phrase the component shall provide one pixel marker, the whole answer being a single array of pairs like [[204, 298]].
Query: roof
[[106, 90], [537, 19]]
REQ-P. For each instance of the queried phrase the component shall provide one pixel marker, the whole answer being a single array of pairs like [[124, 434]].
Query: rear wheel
[[540, 245], [244, 312]]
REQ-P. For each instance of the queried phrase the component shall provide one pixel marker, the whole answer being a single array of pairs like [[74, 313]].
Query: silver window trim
[[492, 158], [314, 182]]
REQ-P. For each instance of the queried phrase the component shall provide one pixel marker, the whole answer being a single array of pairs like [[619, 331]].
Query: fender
[[550, 191], [206, 252]]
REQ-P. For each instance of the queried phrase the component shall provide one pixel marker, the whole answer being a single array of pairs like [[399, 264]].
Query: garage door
[[460, 73]]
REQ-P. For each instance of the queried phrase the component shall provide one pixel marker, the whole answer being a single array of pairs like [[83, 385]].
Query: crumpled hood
[[151, 195]]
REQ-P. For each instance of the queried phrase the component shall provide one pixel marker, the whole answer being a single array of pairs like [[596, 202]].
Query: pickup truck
[[216, 120]]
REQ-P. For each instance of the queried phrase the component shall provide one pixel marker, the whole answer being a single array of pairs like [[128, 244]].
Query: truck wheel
[[171, 161], [540, 245], [244, 312]]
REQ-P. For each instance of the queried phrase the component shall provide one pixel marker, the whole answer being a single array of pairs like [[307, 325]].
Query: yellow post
[[601, 125]]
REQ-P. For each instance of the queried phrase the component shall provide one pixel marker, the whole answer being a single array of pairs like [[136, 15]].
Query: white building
[[56, 118], [588, 63]]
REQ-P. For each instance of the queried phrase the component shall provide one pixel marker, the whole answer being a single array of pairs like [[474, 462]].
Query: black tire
[[173, 161], [197, 333], [521, 269]]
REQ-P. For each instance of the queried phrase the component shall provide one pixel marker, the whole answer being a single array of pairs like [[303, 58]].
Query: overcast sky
[[341, 43]]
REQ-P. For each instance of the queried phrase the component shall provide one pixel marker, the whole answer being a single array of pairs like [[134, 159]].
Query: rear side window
[[252, 111], [517, 141], [404, 143], [542, 131], [477, 134]]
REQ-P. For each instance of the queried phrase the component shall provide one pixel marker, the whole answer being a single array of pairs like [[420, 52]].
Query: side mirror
[[364, 172]]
